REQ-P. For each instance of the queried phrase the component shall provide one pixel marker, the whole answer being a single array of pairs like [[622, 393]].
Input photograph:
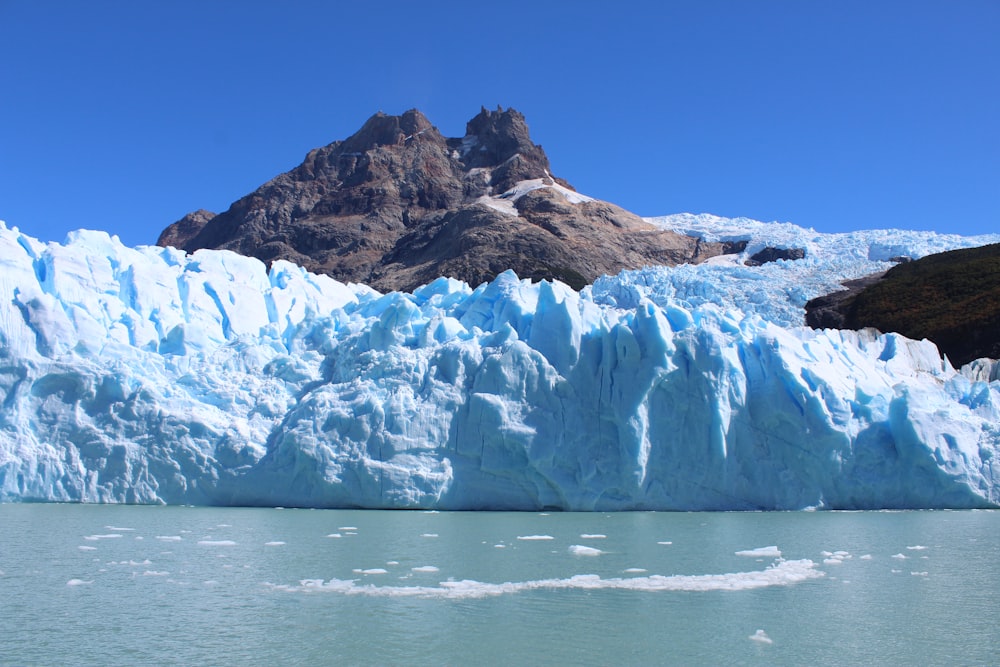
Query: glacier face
[[147, 375]]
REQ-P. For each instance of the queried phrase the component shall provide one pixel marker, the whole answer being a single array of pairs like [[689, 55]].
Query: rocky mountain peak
[[397, 204], [493, 137], [385, 130]]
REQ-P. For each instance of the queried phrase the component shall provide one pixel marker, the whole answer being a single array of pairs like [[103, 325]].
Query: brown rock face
[[184, 229], [397, 204]]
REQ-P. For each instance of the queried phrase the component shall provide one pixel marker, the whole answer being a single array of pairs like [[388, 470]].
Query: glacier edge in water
[[144, 375]]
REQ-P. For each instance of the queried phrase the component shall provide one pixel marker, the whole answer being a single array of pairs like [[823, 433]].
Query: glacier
[[147, 375]]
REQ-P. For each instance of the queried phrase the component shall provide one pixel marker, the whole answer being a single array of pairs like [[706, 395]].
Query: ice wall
[[145, 375]]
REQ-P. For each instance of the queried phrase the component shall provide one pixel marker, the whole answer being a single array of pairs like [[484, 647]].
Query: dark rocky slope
[[397, 204], [951, 298]]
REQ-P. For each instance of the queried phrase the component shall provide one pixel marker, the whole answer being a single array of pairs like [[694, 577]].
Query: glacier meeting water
[[127, 585]]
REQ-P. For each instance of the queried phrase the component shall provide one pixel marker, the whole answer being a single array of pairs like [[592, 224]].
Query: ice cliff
[[147, 375]]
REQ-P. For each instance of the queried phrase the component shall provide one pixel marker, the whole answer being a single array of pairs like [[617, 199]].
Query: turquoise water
[[113, 585]]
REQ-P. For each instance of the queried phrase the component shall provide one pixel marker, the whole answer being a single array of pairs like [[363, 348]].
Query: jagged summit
[[493, 137], [397, 204], [385, 130]]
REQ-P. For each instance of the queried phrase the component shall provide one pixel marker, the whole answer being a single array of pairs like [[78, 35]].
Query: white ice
[[581, 550], [761, 552], [783, 573]]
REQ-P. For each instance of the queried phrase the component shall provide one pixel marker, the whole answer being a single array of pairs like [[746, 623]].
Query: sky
[[125, 115]]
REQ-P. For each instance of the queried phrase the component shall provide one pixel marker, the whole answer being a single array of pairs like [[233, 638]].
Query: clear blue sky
[[844, 115]]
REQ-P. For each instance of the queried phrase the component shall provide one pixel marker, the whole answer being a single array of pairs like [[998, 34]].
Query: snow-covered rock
[[147, 375]]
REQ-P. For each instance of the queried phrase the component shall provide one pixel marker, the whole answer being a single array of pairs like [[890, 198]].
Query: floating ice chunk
[[78, 582], [836, 557], [534, 538], [918, 547], [581, 550], [499, 546], [334, 535], [373, 570], [865, 557], [217, 543], [84, 547], [169, 538], [761, 552], [919, 574], [592, 536], [276, 543], [115, 529], [425, 568], [429, 535], [109, 536], [343, 528], [784, 573], [155, 573], [900, 556], [635, 570], [666, 543], [761, 637]]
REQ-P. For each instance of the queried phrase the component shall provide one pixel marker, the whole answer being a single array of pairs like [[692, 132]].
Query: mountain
[[951, 298], [150, 375], [397, 204]]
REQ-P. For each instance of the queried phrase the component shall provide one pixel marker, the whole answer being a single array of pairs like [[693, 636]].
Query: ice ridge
[[146, 375]]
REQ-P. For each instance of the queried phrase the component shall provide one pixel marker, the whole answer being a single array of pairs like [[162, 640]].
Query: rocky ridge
[[397, 205]]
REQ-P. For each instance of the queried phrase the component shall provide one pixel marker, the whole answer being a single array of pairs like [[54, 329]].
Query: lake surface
[[125, 585]]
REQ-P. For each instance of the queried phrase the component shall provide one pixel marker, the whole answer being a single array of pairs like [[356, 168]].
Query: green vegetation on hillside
[[951, 298]]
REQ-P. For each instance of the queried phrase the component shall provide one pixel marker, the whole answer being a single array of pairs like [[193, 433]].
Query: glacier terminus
[[147, 375]]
